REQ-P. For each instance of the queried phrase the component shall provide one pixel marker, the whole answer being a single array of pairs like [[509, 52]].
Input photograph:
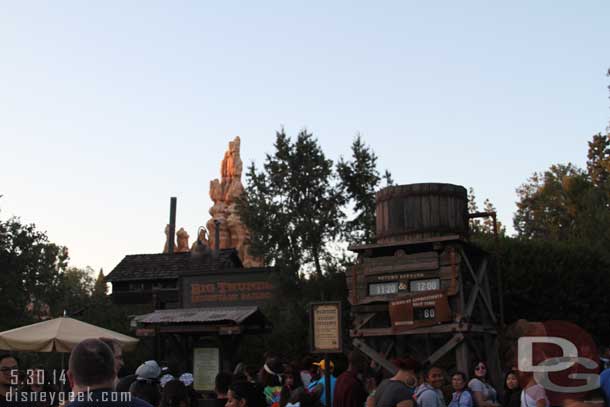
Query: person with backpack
[[429, 393], [398, 390], [461, 396]]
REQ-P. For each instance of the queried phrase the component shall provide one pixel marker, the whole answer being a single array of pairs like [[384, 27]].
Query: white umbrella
[[58, 335]]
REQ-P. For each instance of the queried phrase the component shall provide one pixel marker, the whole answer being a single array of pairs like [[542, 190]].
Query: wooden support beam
[[461, 304], [474, 293], [493, 361], [388, 349], [462, 357], [375, 356], [442, 351], [222, 329], [371, 332], [366, 308], [482, 274], [359, 248], [435, 329], [362, 319], [487, 292], [477, 290]]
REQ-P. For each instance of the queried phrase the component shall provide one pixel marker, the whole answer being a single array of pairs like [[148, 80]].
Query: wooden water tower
[[423, 289]]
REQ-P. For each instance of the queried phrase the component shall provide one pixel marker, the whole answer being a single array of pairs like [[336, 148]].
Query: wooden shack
[[423, 289], [197, 306]]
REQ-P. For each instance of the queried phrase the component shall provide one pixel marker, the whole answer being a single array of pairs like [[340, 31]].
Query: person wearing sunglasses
[[483, 393]]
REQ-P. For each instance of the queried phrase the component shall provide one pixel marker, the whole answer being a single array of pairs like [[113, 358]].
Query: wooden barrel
[[420, 211]]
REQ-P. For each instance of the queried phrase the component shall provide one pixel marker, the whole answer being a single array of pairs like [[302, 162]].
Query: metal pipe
[[172, 225], [498, 271]]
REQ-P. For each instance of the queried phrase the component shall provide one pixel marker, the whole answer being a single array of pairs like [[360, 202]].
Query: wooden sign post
[[325, 336]]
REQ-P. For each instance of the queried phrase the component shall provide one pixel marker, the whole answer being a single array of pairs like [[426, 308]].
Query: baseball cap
[[322, 364], [166, 378], [148, 370], [186, 379]]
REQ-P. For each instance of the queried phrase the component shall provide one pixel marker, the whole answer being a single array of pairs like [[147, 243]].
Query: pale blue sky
[[109, 108]]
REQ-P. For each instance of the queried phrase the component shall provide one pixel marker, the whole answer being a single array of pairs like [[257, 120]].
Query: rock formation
[[183, 241], [224, 193], [166, 247]]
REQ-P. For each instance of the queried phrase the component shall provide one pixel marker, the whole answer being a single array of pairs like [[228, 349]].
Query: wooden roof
[[199, 315], [165, 266]]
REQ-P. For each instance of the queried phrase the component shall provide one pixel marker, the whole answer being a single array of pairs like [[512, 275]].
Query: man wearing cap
[[146, 384], [317, 384]]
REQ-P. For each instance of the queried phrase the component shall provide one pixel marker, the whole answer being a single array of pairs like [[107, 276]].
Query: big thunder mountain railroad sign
[[229, 287]]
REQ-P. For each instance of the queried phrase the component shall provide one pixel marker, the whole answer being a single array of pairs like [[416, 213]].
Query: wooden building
[[423, 289], [195, 303]]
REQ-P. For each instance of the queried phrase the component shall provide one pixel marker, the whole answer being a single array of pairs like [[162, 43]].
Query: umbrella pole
[[62, 373]]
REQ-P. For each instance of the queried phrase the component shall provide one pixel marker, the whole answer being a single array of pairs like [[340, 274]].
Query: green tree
[[566, 203], [474, 223], [76, 286], [549, 203], [598, 161], [488, 224], [483, 226], [572, 278], [100, 288], [31, 273], [292, 206], [360, 180]]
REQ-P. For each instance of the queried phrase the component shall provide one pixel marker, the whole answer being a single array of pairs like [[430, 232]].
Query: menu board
[[325, 327], [206, 365]]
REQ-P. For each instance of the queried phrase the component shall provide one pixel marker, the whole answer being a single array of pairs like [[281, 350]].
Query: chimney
[[216, 237], [172, 224]]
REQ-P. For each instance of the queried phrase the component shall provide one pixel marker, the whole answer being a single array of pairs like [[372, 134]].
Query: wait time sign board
[[325, 327]]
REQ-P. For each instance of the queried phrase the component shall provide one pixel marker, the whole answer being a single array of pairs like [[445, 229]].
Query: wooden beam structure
[[443, 350]]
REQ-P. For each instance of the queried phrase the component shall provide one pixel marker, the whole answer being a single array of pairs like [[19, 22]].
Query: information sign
[[325, 327], [206, 365]]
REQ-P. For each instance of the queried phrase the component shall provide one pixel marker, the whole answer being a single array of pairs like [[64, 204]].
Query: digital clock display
[[429, 284], [383, 288]]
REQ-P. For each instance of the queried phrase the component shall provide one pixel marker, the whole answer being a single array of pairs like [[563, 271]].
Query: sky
[[109, 108]]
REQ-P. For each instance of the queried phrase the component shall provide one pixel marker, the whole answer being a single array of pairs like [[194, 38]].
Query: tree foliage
[[292, 206], [100, 288], [483, 226], [30, 281], [571, 277], [598, 161], [37, 283], [360, 179], [298, 204], [297, 207], [567, 203]]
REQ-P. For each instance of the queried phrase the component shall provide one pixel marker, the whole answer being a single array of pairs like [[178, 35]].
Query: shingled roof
[[165, 266]]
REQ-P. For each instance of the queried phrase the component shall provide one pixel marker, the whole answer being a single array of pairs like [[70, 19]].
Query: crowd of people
[[94, 365]]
